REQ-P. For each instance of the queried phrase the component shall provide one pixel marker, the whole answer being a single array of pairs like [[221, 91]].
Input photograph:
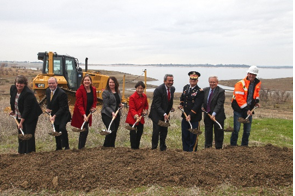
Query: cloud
[[211, 31]]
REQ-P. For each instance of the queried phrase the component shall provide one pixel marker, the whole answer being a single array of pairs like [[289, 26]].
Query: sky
[[252, 32]]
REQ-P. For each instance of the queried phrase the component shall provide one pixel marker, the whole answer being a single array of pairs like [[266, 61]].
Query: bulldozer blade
[[54, 133], [242, 120], [163, 124], [229, 129], [25, 136], [195, 131], [130, 128], [74, 129]]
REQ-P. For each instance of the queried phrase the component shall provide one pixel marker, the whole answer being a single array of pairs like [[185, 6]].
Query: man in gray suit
[[160, 108], [214, 104]]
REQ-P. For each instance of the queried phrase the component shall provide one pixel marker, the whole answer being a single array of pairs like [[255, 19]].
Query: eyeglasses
[[193, 79]]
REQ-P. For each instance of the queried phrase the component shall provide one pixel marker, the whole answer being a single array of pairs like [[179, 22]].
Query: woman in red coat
[[138, 106], [85, 103]]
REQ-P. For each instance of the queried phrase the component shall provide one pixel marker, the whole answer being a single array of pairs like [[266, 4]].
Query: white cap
[[253, 70]]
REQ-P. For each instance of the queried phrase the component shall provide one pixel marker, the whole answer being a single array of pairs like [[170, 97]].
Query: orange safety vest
[[241, 93]]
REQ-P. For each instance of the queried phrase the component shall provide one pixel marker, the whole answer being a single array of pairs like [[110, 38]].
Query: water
[[181, 77]]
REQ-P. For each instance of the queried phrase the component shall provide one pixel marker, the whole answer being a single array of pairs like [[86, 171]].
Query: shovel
[[220, 127], [22, 136], [246, 120], [194, 131], [108, 131], [53, 133], [133, 128], [164, 123], [75, 129]]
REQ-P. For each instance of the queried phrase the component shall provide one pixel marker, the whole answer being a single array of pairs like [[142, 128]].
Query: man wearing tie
[[191, 101], [160, 108], [57, 105], [214, 105]]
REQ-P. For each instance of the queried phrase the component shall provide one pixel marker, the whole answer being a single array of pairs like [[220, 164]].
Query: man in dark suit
[[214, 105], [191, 101], [57, 105], [160, 108]]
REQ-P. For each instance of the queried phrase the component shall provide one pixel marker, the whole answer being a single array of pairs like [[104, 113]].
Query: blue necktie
[[209, 101]]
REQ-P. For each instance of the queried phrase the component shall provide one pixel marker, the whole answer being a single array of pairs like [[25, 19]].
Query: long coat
[[59, 105], [27, 104], [136, 105], [160, 104], [81, 106]]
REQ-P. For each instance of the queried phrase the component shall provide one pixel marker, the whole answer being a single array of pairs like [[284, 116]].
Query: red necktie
[[169, 94]]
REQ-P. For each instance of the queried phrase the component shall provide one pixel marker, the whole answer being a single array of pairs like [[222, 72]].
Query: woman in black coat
[[26, 109]]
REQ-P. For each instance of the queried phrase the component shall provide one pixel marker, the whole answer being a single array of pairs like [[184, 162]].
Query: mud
[[124, 168]]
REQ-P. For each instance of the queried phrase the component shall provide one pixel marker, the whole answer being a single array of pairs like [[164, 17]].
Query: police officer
[[191, 101]]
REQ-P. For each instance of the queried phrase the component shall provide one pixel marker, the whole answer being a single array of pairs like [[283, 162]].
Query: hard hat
[[253, 70]]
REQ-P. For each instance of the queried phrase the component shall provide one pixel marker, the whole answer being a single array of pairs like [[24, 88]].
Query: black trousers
[[62, 140], [83, 136], [27, 146], [135, 136], [110, 139], [159, 131], [218, 134]]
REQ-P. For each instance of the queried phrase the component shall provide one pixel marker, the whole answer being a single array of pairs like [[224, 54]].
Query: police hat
[[194, 75]]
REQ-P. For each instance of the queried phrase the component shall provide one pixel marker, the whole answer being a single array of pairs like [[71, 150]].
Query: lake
[[181, 73]]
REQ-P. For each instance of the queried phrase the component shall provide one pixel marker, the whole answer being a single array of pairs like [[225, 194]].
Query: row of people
[[192, 101]]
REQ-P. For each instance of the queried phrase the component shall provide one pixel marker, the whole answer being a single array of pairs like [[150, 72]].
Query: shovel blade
[[78, 130], [105, 132], [163, 124], [195, 131], [25, 136], [130, 128], [229, 129], [54, 133], [242, 120]]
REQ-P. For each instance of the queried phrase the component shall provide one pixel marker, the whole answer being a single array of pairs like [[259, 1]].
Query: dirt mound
[[123, 168]]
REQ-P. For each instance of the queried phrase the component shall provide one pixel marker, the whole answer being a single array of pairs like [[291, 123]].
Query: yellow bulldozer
[[68, 73]]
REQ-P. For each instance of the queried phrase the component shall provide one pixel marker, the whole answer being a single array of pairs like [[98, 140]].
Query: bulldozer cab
[[62, 65], [68, 74]]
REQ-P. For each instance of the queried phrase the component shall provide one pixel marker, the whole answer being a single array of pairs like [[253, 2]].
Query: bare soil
[[124, 168]]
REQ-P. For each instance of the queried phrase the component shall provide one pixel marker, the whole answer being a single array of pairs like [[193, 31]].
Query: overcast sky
[[253, 32]]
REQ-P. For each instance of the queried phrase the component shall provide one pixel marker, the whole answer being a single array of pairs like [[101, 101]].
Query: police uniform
[[191, 100]]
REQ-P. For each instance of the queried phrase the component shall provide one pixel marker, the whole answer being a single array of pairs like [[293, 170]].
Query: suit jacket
[[192, 101], [27, 104], [81, 106], [217, 102], [160, 104], [59, 106], [109, 103], [136, 105]]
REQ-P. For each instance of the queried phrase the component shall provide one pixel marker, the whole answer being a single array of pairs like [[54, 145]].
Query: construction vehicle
[[68, 73]]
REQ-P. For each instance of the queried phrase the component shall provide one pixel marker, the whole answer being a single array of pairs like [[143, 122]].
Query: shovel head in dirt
[[243, 120], [54, 133], [22, 136], [25, 136], [229, 129], [105, 132], [130, 128], [163, 123]]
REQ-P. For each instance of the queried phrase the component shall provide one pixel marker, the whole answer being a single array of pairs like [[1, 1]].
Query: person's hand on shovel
[[166, 117], [85, 118], [20, 125]]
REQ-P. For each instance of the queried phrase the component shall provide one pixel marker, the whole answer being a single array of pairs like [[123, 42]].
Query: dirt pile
[[123, 168]]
